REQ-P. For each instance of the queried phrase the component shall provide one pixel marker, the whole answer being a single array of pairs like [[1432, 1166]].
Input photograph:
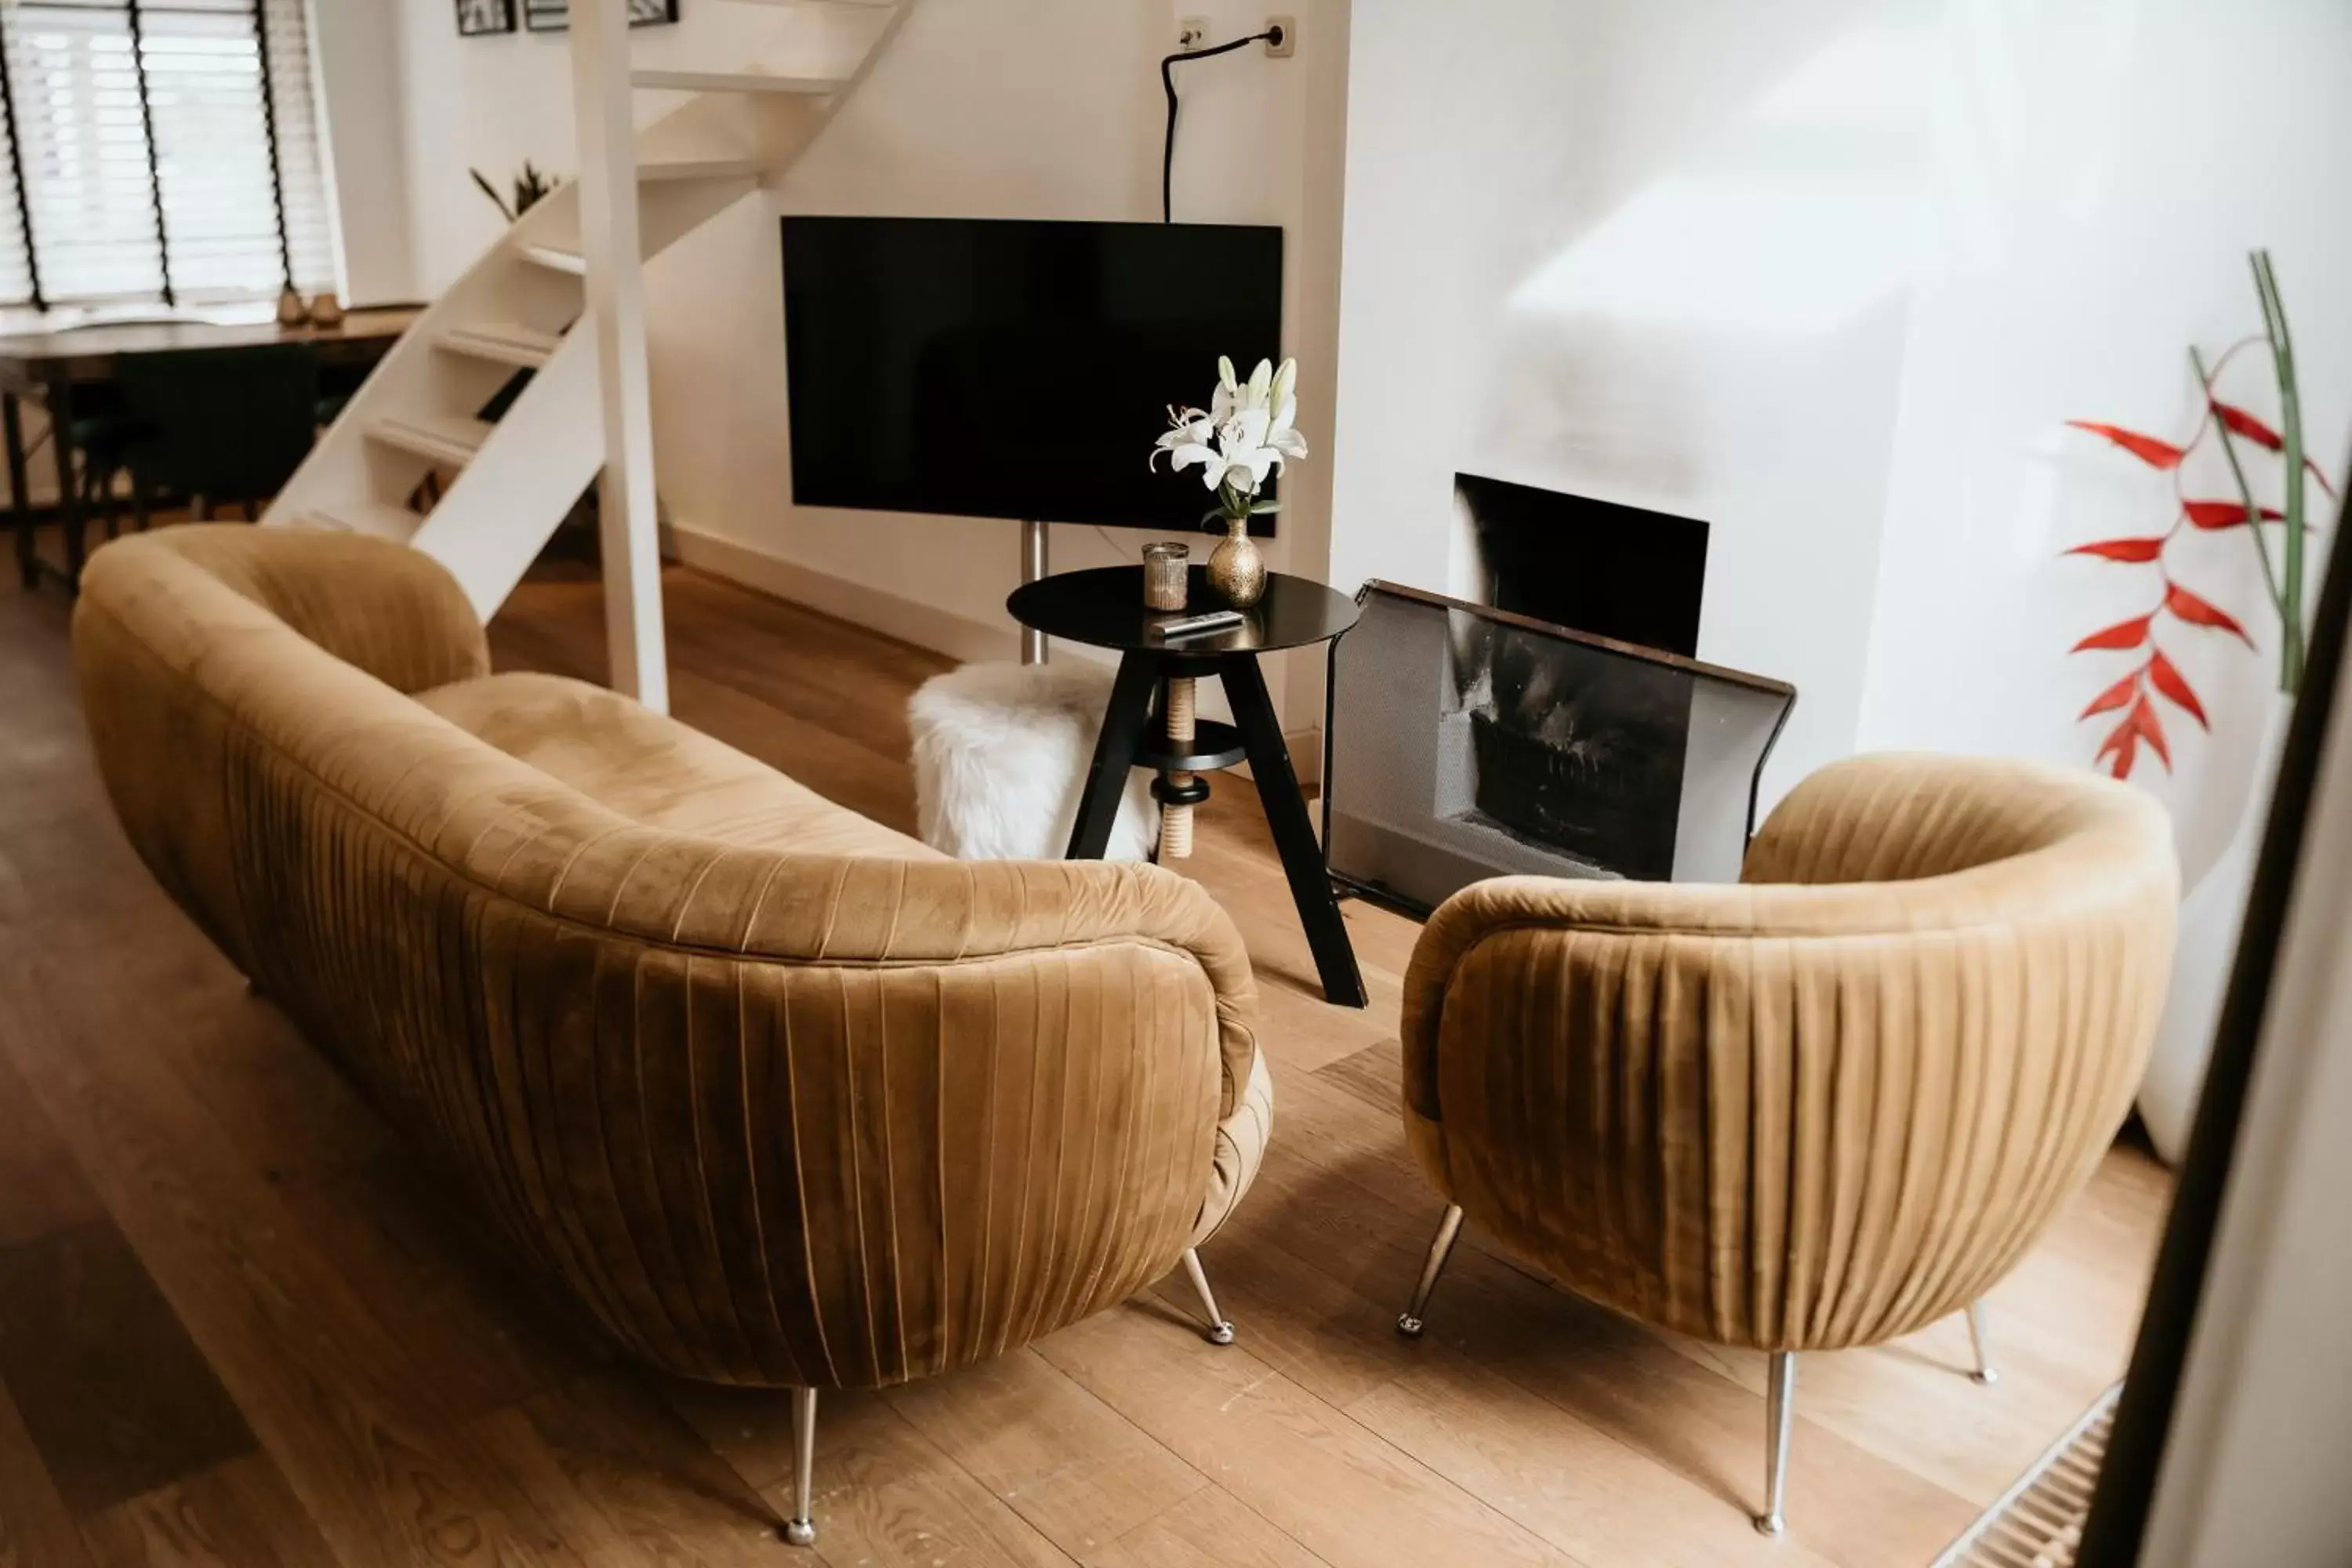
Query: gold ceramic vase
[[1237, 567]]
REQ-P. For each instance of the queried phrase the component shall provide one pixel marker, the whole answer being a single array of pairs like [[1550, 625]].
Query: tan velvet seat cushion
[[656, 771]]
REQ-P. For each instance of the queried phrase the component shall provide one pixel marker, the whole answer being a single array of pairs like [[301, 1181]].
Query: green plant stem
[[2245, 489], [2290, 435]]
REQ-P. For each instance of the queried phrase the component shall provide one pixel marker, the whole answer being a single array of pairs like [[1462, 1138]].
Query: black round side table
[[1104, 608]]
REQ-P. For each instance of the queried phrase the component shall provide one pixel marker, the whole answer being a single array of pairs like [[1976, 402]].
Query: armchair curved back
[[1823, 1106]]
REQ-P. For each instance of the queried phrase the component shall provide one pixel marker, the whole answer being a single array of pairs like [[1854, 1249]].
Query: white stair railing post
[[610, 245]]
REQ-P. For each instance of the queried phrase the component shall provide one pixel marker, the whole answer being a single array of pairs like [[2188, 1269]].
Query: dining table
[[52, 365]]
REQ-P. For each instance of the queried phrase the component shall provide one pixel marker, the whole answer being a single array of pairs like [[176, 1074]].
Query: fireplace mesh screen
[[1465, 744]]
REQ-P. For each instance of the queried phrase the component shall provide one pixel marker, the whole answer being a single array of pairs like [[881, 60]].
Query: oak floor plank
[[511, 1442], [649, 1474], [37, 1529], [1290, 1293], [42, 1188], [1313, 1472], [1211, 1529], [239, 1515], [1574, 1485], [350, 1418], [117, 1398], [885, 1494], [1079, 1472]]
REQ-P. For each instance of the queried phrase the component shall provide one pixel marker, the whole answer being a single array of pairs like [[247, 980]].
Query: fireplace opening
[[1570, 747], [1616, 571]]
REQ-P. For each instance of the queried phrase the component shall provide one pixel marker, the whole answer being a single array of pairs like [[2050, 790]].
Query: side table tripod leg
[[1293, 830], [1124, 722]]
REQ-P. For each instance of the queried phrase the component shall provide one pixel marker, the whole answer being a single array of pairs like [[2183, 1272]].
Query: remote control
[[1198, 625]]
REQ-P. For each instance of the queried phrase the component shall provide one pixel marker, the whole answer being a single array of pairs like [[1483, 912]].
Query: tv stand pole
[[1034, 566]]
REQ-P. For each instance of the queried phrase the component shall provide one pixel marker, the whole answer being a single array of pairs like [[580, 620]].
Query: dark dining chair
[[219, 424]]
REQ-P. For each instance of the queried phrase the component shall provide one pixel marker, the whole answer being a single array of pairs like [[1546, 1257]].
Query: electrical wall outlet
[[1191, 32], [1287, 45]]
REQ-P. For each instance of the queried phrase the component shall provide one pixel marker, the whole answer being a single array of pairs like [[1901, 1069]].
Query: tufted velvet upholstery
[[1821, 1108], [776, 1095]]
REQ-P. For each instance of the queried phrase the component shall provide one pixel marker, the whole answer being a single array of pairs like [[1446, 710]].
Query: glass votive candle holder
[[1166, 568]]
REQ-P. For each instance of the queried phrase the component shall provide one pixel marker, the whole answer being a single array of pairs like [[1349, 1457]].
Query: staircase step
[[506, 342], [730, 81], [555, 258], [701, 169], [444, 438], [380, 519]]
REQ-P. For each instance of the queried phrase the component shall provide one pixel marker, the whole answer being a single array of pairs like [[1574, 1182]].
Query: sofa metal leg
[[801, 1529], [1441, 1247], [1986, 1373], [1779, 1414], [1220, 1330]]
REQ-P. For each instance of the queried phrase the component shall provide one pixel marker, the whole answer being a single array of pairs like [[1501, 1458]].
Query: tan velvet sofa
[[774, 1094], [1819, 1110]]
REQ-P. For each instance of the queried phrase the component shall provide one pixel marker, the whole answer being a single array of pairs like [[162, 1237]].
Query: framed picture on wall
[[477, 19], [554, 15]]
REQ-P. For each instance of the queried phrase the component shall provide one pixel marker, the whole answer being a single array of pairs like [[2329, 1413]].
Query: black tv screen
[[996, 368]]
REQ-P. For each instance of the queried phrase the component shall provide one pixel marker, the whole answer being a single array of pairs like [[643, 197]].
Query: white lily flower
[[1187, 440], [1248, 460], [1281, 435], [1244, 439]]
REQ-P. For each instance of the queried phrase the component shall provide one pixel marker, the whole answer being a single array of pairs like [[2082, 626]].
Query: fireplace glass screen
[[1467, 742]]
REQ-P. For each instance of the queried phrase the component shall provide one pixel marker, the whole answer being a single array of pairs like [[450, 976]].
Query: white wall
[[356, 49], [1830, 276], [2100, 173]]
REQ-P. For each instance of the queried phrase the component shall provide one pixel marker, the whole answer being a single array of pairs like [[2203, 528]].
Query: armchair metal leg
[[1779, 1414], [1220, 1330], [801, 1529], [1986, 1373], [1441, 1247]]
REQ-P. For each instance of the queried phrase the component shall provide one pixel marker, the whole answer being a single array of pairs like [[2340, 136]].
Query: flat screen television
[[998, 368]]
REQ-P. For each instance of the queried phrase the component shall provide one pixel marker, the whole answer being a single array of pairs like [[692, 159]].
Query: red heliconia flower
[[2113, 697], [2124, 746], [2155, 454], [2149, 728], [2213, 514], [2131, 552], [2242, 422], [2123, 634], [2165, 677], [2198, 612]]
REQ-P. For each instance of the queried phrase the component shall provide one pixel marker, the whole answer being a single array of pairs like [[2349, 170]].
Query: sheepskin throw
[[1000, 753]]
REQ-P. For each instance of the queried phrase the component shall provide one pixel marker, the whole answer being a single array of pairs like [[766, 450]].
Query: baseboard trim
[[892, 615]]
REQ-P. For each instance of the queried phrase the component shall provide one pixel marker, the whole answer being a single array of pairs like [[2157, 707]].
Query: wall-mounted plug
[[1285, 42], [1191, 32]]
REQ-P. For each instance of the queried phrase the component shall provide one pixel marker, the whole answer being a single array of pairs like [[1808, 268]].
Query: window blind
[[159, 150]]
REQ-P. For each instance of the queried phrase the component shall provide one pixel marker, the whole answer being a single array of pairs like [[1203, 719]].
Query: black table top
[[1104, 607]]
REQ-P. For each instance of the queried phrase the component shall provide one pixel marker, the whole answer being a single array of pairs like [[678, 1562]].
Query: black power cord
[[1168, 80]]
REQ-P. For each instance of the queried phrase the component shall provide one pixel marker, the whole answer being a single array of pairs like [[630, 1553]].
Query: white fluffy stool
[[1001, 756]]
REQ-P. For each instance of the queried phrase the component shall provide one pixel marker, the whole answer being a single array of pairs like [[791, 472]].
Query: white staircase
[[504, 487]]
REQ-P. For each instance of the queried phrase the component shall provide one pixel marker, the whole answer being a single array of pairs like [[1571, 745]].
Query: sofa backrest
[[769, 1117]]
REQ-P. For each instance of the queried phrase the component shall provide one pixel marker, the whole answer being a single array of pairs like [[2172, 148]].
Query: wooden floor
[[239, 1325]]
